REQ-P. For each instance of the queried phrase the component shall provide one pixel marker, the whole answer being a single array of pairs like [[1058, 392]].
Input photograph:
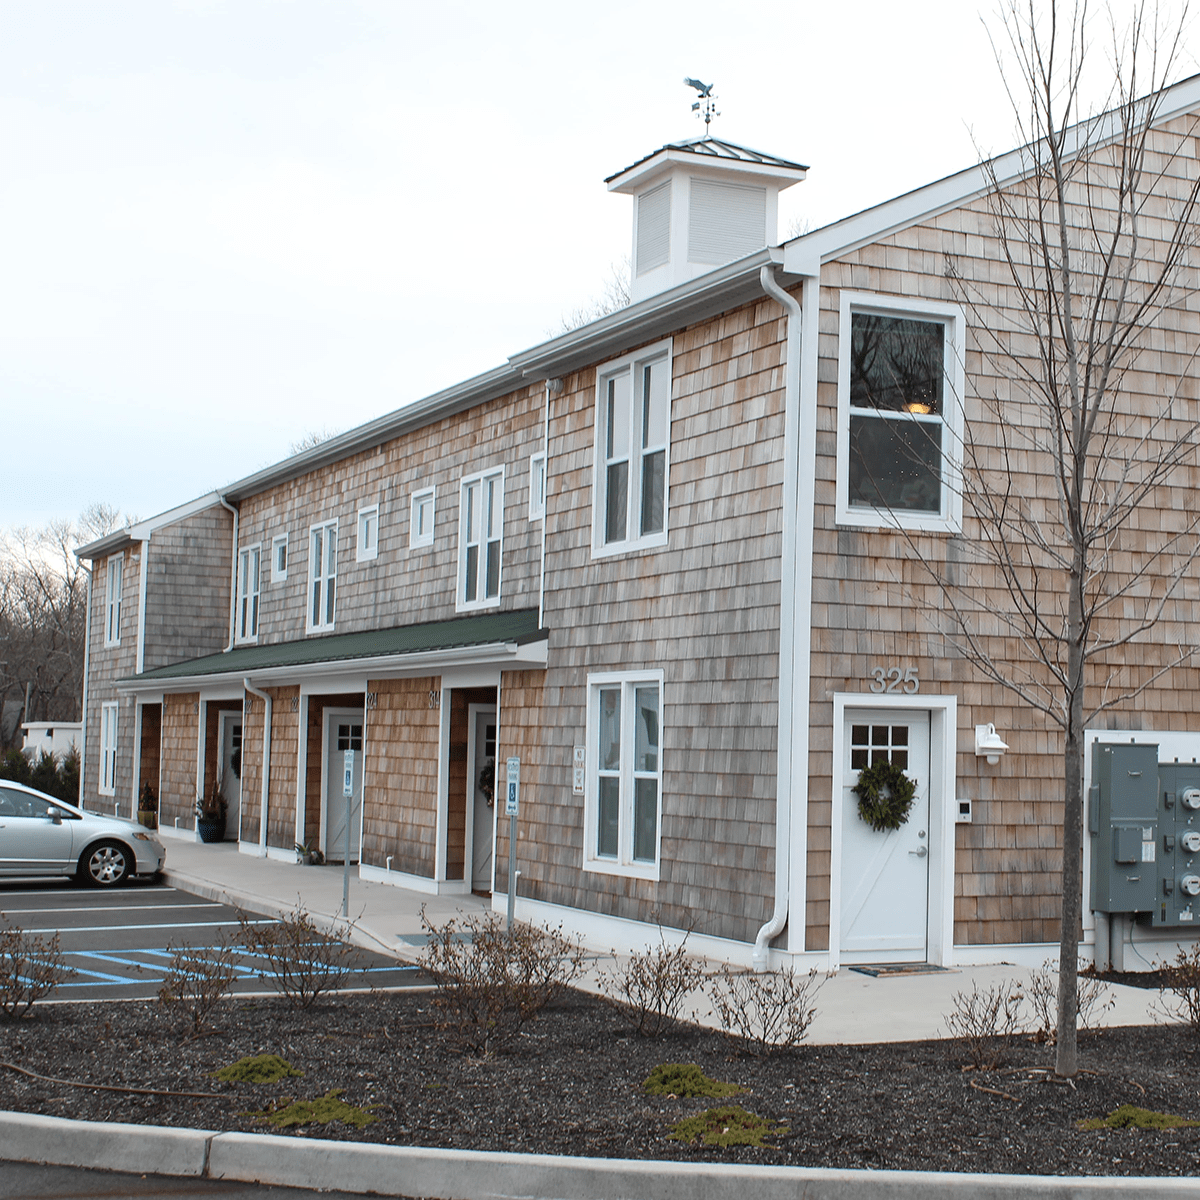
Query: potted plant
[[210, 815], [310, 856], [147, 812]]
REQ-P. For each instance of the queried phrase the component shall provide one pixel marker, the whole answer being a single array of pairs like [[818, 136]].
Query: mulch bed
[[571, 1083]]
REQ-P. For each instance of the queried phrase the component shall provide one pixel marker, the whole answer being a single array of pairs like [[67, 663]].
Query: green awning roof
[[488, 629]]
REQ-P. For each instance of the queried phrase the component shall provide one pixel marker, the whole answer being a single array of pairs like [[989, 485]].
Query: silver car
[[43, 836]]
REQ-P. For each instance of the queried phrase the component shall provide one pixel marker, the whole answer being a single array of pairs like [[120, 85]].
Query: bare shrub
[[986, 1022], [492, 981], [770, 1011], [1179, 994], [199, 980], [649, 989], [1095, 997], [30, 967], [301, 960]]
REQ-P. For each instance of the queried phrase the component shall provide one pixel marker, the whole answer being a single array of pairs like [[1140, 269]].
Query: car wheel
[[105, 864]]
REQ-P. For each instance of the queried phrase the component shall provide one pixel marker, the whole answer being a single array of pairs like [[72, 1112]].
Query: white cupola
[[697, 205]]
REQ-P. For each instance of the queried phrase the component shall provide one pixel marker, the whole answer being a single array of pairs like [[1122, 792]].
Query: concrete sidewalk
[[851, 1007]]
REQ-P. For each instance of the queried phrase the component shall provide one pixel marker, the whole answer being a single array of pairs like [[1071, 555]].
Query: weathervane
[[709, 109]]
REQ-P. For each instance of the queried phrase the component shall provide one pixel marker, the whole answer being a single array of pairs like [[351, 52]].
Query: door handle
[[919, 853]]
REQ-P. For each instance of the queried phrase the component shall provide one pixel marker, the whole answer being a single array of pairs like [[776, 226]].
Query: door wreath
[[885, 795]]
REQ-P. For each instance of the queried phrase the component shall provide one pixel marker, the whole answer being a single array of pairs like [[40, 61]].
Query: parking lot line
[[117, 908], [114, 928]]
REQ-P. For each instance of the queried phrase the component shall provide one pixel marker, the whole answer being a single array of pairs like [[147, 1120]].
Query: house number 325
[[895, 679]]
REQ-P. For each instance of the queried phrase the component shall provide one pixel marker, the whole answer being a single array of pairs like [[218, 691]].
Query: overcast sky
[[227, 223]]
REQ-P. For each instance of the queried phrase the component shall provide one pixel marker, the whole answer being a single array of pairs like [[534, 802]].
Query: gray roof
[[711, 147], [489, 629]]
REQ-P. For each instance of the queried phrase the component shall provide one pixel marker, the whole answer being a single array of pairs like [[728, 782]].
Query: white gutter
[[500, 653], [233, 573], [141, 630], [83, 708], [266, 765]]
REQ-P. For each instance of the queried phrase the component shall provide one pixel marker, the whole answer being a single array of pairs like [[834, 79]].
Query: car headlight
[[143, 837]]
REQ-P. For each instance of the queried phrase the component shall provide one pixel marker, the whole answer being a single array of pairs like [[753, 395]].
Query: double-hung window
[[632, 461], [623, 797], [900, 390], [108, 749], [322, 575], [480, 533], [112, 610], [368, 534], [249, 562]]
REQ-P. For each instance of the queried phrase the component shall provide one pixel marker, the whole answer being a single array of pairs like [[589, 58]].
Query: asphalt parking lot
[[119, 942]]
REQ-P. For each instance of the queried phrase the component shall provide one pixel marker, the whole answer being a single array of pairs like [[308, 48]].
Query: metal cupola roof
[[709, 150]]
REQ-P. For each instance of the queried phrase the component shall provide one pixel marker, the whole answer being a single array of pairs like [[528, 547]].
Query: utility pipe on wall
[[83, 714], [266, 763], [233, 576], [140, 665]]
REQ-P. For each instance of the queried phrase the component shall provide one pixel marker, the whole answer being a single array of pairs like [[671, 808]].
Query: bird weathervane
[[706, 105]]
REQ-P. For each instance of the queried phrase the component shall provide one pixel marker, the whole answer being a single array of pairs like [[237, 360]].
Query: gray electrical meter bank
[[1144, 819], [1124, 825]]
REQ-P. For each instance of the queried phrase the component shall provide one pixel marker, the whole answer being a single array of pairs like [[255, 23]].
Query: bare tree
[[1056, 581], [615, 296], [313, 438]]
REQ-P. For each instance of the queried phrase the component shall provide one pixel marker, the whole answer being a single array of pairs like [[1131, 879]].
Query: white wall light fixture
[[988, 743]]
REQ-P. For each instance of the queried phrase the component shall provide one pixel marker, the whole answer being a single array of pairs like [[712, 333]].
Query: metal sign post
[[512, 802], [348, 792]]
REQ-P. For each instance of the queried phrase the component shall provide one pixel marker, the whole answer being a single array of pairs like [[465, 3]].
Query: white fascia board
[[141, 530], [635, 178], [383, 667], [924, 203]]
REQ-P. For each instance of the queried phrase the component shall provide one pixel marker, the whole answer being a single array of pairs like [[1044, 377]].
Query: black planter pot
[[211, 829]]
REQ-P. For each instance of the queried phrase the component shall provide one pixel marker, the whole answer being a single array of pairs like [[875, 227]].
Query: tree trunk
[[1066, 1061]]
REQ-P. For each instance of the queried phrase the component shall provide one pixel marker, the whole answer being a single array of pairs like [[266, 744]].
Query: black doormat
[[890, 970]]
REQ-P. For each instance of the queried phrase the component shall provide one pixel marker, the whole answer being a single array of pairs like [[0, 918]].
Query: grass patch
[[728, 1126], [1129, 1116], [261, 1068], [284, 1114], [686, 1079]]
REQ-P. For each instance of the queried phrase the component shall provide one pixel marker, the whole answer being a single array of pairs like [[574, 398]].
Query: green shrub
[[287, 1113], [728, 1126], [55, 774], [686, 1079], [260, 1068], [1128, 1116]]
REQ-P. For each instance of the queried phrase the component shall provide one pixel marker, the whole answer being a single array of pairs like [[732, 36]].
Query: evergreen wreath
[[885, 794]]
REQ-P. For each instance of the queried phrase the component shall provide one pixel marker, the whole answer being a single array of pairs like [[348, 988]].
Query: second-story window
[[421, 528], [633, 435], [249, 562], [112, 614], [279, 558], [481, 522], [322, 575], [368, 534]]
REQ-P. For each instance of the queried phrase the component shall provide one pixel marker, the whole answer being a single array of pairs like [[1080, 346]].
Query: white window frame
[[108, 748], [628, 365], [952, 317], [537, 485], [366, 543], [279, 542], [416, 536], [319, 579], [493, 475], [249, 603], [624, 863], [114, 586]]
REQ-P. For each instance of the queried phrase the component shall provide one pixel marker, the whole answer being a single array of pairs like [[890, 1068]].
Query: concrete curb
[[478, 1175]]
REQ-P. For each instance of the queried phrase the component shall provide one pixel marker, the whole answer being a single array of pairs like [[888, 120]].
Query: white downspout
[[791, 768], [266, 767], [141, 633], [87, 656], [232, 576], [553, 387]]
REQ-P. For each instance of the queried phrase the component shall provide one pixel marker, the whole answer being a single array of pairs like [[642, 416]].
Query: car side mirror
[[55, 814]]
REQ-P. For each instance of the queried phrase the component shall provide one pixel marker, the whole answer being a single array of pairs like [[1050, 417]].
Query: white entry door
[[885, 876], [483, 808], [230, 770], [343, 731]]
